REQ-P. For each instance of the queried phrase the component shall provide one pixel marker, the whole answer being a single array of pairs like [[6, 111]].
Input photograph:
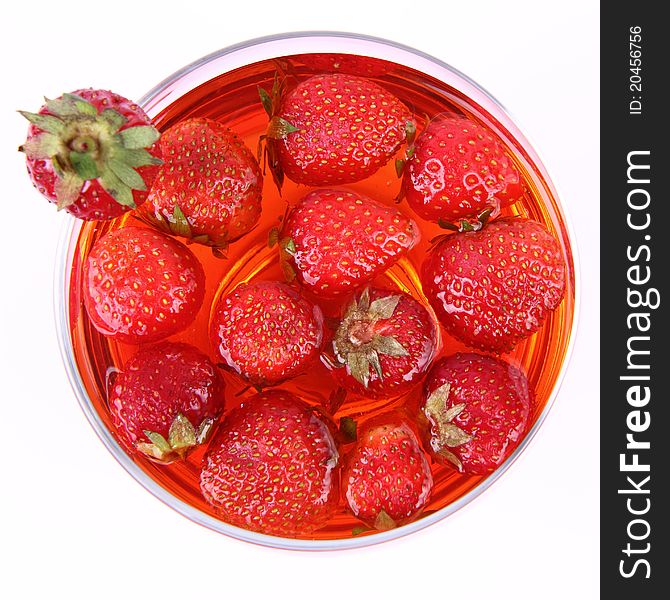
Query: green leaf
[[279, 128], [84, 107], [84, 165], [359, 529], [364, 300], [142, 136], [399, 166], [277, 85], [126, 174], [383, 522], [271, 158], [348, 428], [69, 105], [42, 146], [266, 101], [179, 224], [159, 441], [151, 450], [61, 107], [117, 189], [388, 345], [67, 189], [350, 311], [114, 118], [437, 401], [359, 367], [383, 308], [452, 412], [452, 436], [138, 157], [47, 123], [288, 271], [410, 132], [182, 434], [273, 237], [373, 358], [288, 245], [72, 98], [484, 216], [451, 457], [447, 225]]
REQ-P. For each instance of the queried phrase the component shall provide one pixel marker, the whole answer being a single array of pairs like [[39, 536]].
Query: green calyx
[[468, 224], [449, 434], [287, 251], [349, 429], [84, 144], [358, 343], [400, 166], [384, 522], [278, 128], [177, 223], [182, 436], [410, 136]]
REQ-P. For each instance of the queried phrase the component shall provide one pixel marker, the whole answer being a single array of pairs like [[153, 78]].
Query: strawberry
[[336, 241], [266, 331], [165, 400], [459, 169], [92, 152], [494, 287], [273, 467], [477, 410], [386, 479], [352, 64], [209, 189], [385, 342], [334, 129], [140, 285]]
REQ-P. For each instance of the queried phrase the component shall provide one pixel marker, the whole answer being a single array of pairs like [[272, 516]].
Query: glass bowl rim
[[64, 254]]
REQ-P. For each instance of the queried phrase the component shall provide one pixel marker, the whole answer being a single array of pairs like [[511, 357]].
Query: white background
[[73, 522]]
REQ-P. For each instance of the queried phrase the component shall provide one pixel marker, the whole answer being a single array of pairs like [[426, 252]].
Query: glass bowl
[[224, 61]]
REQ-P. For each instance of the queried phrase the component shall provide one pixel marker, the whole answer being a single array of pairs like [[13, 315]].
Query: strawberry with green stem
[[209, 189], [332, 129], [384, 344], [92, 153], [458, 173], [166, 400], [476, 409], [267, 151]]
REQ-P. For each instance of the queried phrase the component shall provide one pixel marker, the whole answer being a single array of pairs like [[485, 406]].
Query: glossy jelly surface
[[232, 98]]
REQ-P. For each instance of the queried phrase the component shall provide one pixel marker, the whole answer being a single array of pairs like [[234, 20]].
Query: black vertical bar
[[635, 342]]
